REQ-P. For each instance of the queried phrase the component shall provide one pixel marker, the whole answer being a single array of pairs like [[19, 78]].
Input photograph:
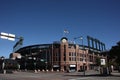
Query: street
[[90, 75]]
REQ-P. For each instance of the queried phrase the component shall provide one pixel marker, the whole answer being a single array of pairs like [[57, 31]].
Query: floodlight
[[4, 35], [11, 35], [7, 36], [11, 39]]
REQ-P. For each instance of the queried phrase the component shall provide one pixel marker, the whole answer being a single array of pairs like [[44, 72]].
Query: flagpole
[[65, 32]]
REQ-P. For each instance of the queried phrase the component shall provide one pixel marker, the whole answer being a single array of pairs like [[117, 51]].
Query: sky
[[44, 21]]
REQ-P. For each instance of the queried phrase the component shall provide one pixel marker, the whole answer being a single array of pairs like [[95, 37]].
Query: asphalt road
[[90, 75]]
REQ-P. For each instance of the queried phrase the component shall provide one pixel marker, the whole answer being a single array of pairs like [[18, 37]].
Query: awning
[[72, 65]]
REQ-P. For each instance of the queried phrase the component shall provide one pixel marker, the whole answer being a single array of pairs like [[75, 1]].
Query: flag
[[66, 31]]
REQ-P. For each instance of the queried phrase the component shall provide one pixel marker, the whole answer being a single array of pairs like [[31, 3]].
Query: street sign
[[102, 61]]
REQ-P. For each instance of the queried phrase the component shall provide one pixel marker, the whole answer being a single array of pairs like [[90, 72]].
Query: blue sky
[[43, 21]]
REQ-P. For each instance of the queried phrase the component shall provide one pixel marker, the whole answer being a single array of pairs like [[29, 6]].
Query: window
[[69, 53], [70, 59]]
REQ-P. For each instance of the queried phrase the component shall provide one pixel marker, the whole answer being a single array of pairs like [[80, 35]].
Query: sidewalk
[[90, 73], [31, 75], [115, 73]]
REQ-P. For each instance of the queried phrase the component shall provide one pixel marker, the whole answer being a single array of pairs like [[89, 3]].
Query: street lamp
[[46, 60], [35, 64], [81, 38]]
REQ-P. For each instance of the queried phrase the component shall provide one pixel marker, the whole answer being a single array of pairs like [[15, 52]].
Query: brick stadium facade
[[62, 55]]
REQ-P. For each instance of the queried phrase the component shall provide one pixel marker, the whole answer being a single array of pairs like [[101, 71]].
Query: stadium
[[61, 55]]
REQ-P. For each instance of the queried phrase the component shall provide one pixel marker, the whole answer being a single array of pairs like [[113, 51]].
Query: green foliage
[[10, 64], [114, 54], [97, 61]]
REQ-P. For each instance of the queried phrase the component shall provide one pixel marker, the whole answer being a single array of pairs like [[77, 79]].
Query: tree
[[114, 54], [97, 61]]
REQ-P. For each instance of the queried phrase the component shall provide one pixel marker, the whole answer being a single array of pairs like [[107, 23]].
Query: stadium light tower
[[7, 36], [12, 37]]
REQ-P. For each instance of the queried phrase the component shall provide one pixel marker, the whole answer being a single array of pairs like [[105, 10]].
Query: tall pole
[[65, 33], [75, 52], [34, 59], [46, 59], [12, 37], [52, 57], [81, 38], [7, 36]]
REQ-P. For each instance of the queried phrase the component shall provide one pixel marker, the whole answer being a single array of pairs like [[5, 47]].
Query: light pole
[[52, 57], [75, 51], [7, 36], [12, 37], [35, 64], [81, 38], [46, 60]]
